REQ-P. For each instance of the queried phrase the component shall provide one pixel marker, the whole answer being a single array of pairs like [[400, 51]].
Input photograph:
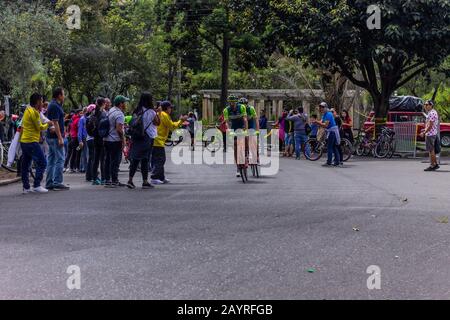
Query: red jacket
[[74, 126]]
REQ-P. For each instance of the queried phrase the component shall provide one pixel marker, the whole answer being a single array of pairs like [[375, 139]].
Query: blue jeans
[[300, 140], [84, 157], [32, 152], [55, 161], [333, 149]]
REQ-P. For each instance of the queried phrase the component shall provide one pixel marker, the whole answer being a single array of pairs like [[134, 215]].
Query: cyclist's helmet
[[233, 98], [243, 101]]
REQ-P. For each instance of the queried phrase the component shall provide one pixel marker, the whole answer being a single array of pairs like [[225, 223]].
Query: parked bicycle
[[315, 148], [381, 147]]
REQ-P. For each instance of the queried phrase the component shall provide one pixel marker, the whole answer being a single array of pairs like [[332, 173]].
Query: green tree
[[414, 37], [220, 24], [26, 50]]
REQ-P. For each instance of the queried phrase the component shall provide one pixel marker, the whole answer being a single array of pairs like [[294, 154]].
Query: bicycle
[[4, 152], [385, 147], [382, 147], [215, 143], [173, 143], [315, 148]]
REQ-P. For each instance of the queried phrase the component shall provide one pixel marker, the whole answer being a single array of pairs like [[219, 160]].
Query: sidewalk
[[7, 177]]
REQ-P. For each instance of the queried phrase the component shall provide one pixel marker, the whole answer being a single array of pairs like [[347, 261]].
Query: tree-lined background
[[174, 48]]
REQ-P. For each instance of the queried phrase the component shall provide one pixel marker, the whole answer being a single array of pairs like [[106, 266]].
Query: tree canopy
[[182, 46]]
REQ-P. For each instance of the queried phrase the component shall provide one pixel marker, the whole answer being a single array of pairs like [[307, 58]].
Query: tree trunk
[[436, 90], [171, 77], [381, 106], [225, 67]]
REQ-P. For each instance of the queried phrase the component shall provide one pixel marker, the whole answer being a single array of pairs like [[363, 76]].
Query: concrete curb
[[10, 181]]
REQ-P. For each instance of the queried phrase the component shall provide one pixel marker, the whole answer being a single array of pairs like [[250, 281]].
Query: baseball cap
[[120, 99], [429, 102], [166, 104], [323, 105]]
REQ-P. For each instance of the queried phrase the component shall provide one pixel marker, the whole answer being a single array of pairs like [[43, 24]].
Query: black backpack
[[92, 126], [136, 128], [104, 129]]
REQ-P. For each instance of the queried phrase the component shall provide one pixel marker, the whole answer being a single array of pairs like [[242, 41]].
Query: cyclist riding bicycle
[[235, 115], [253, 126]]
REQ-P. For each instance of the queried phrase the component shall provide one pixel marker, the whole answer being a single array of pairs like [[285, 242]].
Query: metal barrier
[[406, 137]]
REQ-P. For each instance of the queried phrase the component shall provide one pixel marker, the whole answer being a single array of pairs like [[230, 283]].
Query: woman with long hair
[[347, 125], [141, 146], [99, 148]]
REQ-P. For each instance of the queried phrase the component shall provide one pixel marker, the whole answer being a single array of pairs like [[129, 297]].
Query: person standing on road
[[159, 153], [431, 134], [86, 143], [99, 145], [82, 141], [114, 142], [55, 140], [299, 121], [339, 124], [347, 126], [333, 138], [191, 128], [141, 147], [29, 143]]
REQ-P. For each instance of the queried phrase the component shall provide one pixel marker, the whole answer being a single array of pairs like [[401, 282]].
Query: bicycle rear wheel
[[382, 149], [313, 150]]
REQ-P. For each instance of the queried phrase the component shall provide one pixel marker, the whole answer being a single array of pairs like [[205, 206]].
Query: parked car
[[405, 116], [408, 109]]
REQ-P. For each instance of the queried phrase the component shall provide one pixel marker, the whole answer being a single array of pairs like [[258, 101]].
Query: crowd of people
[[91, 141]]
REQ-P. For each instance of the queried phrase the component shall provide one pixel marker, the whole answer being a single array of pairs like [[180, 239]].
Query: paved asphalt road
[[208, 236]]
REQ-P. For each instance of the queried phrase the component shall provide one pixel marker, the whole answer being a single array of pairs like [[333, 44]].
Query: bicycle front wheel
[[347, 150], [313, 150]]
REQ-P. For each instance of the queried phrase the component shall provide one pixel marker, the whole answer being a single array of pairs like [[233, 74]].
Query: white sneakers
[[159, 182], [40, 190], [35, 190]]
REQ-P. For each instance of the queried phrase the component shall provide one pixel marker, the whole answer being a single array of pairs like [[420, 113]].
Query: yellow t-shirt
[[164, 128], [32, 126]]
